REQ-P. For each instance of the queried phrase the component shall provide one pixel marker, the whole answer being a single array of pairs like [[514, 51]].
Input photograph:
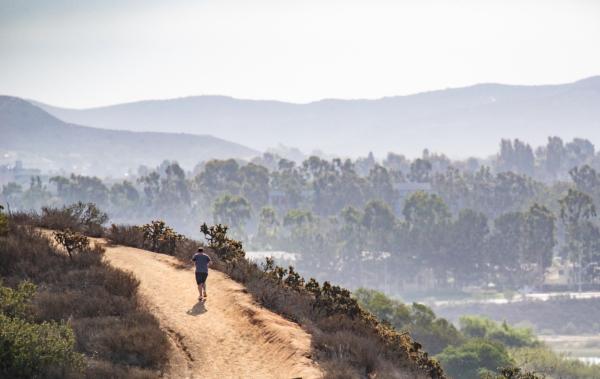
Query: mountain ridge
[[451, 121]]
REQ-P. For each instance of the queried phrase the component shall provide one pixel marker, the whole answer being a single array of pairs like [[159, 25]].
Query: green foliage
[[160, 238], [16, 303], [27, 349], [542, 359], [73, 242], [233, 211], [481, 327], [473, 358], [432, 332], [227, 249]]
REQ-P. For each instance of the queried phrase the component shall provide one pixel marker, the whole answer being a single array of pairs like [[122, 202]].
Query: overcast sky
[[98, 52]]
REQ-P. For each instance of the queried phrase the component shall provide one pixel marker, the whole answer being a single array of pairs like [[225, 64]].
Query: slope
[[227, 337], [470, 119], [45, 142]]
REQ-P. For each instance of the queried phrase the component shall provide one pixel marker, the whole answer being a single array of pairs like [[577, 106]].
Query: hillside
[[43, 141], [227, 337], [472, 119]]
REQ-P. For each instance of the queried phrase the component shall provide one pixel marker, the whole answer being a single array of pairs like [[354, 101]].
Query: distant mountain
[[43, 141], [460, 122]]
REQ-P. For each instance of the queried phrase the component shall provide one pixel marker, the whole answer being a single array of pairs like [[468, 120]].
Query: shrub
[[227, 249], [468, 360], [36, 350], [71, 241], [3, 222], [434, 333], [85, 218], [160, 238], [15, 303], [126, 235], [44, 350]]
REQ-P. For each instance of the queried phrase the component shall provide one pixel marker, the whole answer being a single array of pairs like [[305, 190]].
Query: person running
[[202, 262]]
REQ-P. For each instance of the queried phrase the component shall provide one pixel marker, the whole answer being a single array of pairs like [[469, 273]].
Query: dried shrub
[[85, 218], [126, 235]]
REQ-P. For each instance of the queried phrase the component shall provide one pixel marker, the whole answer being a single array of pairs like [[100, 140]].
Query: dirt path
[[229, 336]]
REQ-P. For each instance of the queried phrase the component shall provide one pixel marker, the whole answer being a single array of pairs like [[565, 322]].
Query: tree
[[86, 189], [255, 185], [505, 249], [124, 195], [586, 179], [468, 237], [218, 177], [516, 156], [233, 211], [576, 209], [381, 185], [427, 218], [379, 223], [268, 228], [555, 155], [174, 191], [420, 171], [539, 239]]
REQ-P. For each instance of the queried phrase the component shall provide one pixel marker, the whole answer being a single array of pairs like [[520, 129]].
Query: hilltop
[[46, 142]]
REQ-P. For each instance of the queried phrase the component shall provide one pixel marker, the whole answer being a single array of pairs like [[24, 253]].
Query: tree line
[[500, 221]]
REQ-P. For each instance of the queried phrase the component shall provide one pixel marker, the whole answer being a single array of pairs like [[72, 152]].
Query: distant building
[[559, 273]]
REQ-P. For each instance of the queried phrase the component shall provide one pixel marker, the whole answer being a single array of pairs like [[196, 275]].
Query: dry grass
[[118, 335]]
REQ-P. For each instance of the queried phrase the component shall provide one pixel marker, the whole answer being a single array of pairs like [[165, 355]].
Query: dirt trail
[[229, 336]]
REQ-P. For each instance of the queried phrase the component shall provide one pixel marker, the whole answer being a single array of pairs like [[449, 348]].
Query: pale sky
[[88, 53]]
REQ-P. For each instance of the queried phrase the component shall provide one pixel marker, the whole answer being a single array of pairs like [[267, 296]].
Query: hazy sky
[[97, 52]]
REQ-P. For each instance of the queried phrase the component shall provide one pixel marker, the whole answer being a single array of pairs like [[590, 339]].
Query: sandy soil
[[229, 336]]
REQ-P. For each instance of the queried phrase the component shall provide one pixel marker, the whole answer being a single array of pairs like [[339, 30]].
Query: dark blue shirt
[[202, 260]]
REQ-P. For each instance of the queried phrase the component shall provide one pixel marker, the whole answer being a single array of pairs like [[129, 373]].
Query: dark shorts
[[201, 277]]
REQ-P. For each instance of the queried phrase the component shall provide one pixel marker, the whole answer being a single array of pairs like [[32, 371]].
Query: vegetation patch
[[71, 312]]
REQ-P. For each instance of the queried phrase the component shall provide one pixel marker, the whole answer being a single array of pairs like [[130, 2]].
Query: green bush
[[160, 238], [432, 332], [30, 350], [482, 327], [16, 303], [473, 358], [36, 350]]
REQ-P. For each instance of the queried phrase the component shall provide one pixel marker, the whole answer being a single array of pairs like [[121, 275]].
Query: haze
[[84, 54]]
